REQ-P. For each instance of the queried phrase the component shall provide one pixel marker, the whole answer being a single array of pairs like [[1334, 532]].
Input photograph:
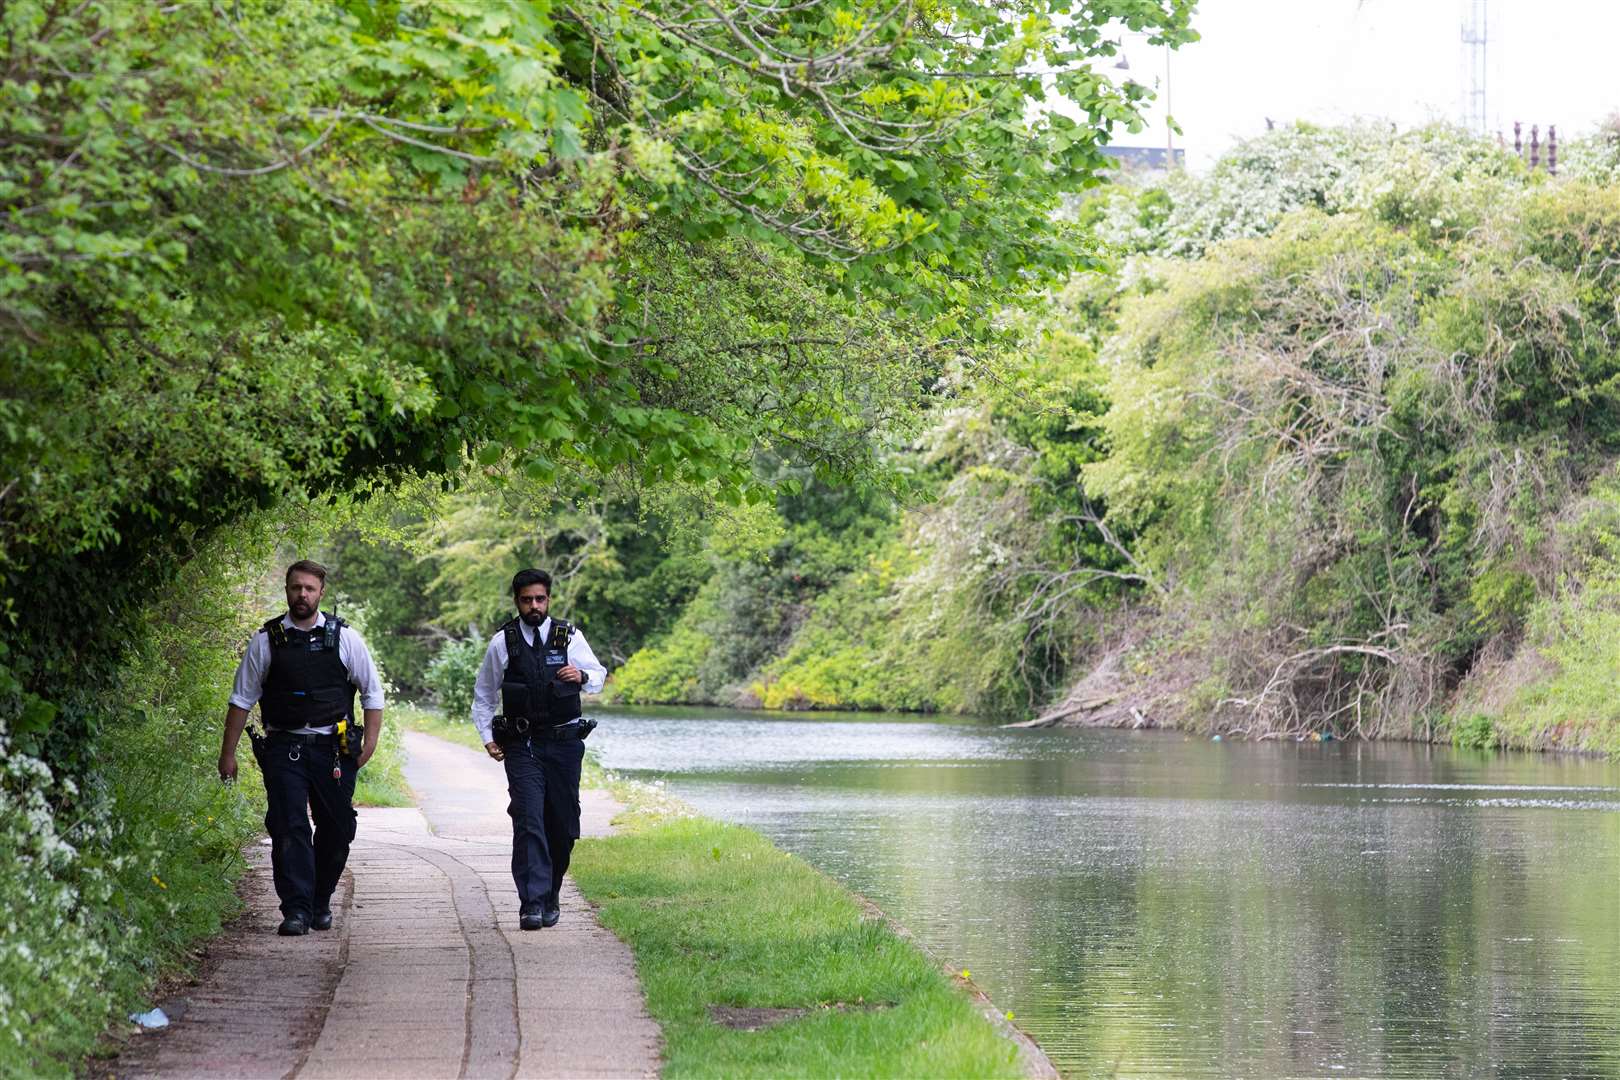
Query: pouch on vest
[[562, 688], [515, 699]]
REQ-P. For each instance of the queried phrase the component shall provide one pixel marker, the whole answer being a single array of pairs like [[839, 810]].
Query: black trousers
[[298, 782], [542, 778]]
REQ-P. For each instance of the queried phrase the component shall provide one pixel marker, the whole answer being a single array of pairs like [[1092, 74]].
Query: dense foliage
[[973, 599], [1328, 447], [109, 876], [254, 253], [1348, 451]]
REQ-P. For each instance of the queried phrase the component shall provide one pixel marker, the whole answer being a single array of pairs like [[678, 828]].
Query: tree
[[264, 251]]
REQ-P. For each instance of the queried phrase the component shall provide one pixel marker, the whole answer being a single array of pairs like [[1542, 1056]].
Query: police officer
[[302, 669], [533, 671]]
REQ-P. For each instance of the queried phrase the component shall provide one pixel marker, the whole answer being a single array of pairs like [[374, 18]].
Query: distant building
[[1145, 159]]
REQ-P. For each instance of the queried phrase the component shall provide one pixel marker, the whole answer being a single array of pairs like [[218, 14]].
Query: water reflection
[[1154, 905]]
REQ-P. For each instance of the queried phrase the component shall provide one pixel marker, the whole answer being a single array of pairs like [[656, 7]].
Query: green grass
[[382, 781], [432, 722], [718, 916], [1567, 701]]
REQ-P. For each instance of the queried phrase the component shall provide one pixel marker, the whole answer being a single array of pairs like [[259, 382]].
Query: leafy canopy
[[434, 211]]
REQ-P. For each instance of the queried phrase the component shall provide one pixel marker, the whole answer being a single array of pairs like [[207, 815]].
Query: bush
[[772, 569], [667, 671], [106, 882], [451, 676], [1475, 732], [1435, 177], [1558, 688], [382, 781], [1595, 158]]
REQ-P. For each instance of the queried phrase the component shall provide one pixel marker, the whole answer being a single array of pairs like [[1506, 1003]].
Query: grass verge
[[719, 917], [382, 781], [432, 722]]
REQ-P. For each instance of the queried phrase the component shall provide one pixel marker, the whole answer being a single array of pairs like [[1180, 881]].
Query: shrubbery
[[451, 676], [1474, 731], [98, 903], [1436, 178], [1555, 688], [1350, 382], [1340, 446], [668, 670]]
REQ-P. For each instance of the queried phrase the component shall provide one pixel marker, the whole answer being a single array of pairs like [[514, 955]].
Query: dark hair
[[307, 566], [524, 578]]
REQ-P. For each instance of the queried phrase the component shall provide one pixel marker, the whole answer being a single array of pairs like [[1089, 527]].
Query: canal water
[[1159, 905]]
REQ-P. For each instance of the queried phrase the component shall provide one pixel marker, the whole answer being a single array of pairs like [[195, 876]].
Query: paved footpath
[[425, 973]]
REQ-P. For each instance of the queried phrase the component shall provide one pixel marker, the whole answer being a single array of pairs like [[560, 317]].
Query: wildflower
[[158, 882]]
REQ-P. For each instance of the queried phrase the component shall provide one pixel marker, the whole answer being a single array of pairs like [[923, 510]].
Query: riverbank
[[1310, 460], [754, 963], [1533, 700], [757, 965]]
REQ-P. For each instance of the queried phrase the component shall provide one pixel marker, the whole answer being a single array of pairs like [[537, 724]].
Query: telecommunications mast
[[1475, 39]]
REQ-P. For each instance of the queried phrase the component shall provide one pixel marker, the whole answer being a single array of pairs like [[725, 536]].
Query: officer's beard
[[534, 618], [301, 609]]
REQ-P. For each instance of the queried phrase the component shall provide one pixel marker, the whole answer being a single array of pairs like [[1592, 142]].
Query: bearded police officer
[[302, 669], [526, 708]]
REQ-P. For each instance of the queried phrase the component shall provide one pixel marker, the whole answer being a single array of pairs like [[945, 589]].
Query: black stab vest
[[530, 688], [307, 685]]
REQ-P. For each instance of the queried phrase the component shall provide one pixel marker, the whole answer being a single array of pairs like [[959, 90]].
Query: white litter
[[157, 1018]]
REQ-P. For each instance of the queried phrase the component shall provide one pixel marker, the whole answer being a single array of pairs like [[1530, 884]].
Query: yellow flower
[[158, 882]]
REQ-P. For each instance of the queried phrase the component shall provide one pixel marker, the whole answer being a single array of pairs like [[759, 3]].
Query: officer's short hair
[[307, 566], [524, 578]]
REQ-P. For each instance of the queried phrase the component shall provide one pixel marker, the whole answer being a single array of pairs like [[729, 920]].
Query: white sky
[[1549, 62]]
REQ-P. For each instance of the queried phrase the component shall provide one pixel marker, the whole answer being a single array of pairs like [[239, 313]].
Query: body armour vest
[[307, 685], [530, 688]]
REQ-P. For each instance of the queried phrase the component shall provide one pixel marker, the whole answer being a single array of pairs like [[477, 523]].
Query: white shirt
[[356, 658], [487, 687]]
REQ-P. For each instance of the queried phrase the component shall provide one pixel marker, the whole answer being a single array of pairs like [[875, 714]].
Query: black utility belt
[[349, 741], [518, 728], [307, 738]]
